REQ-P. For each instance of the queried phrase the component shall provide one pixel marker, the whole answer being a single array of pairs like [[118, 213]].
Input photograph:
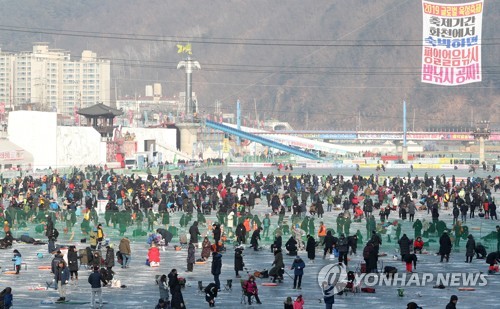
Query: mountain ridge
[[310, 68]]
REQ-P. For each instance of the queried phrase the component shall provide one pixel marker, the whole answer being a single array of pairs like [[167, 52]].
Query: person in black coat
[[217, 234], [177, 301], [238, 261], [51, 234], [49, 229], [435, 214], [291, 246], [353, 243], [311, 248], [166, 235], [409, 260], [343, 249], [254, 241], [216, 267], [368, 256], [445, 246], [493, 258], [456, 213], [376, 241], [480, 251], [277, 271], [194, 232], [469, 248], [241, 233], [73, 262], [493, 210], [7, 241], [109, 261], [278, 241], [404, 246], [211, 293], [453, 302], [328, 242]]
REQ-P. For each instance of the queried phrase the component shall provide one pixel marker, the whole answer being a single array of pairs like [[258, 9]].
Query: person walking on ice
[[95, 279], [61, 277]]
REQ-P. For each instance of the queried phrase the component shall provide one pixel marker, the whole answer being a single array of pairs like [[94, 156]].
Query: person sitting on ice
[[154, 255], [418, 245], [358, 214]]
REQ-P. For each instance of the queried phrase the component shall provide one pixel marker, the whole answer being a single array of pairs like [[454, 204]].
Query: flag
[[184, 49]]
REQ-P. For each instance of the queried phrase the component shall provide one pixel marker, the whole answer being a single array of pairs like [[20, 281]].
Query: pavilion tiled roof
[[100, 110]]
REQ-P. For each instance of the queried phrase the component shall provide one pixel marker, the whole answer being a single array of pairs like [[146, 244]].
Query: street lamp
[[482, 132]]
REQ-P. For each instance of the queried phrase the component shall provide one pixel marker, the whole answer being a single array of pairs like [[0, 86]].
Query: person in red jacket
[[154, 256], [250, 289], [298, 303], [418, 245]]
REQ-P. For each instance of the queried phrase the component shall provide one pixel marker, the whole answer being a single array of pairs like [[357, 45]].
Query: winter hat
[[453, 297]]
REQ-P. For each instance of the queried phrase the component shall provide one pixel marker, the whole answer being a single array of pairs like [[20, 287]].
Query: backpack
[[390, 270]]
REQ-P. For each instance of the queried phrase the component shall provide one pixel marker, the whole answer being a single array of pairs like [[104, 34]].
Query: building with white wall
[[38, 135], [49, 80]]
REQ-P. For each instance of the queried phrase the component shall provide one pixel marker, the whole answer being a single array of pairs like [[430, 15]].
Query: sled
[[66, 302], [466, 289], [45, 267], [10, 272], [269, 284], [200, 262]]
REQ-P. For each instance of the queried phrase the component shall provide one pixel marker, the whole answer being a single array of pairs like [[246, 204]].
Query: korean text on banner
[[451, 52]]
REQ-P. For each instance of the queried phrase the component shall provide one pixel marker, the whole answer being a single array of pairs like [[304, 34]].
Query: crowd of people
[[249, 209]]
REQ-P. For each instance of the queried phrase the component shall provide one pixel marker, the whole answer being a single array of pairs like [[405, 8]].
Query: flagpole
[[405, 146]]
